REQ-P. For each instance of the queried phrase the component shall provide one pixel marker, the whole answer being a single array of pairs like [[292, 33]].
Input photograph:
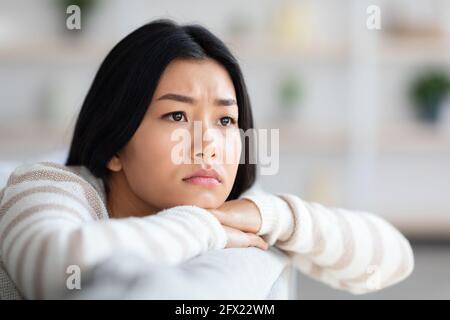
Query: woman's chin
[[205, 201]]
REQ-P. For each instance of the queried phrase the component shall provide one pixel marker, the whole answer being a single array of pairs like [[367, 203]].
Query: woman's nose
[[204, 156], [204, 142], [206, 152]]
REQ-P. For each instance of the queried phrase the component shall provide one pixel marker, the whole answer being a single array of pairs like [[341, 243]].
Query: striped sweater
[[54, 216]]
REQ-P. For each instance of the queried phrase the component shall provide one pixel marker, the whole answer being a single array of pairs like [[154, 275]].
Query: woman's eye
[[227, 121], [176, 116]]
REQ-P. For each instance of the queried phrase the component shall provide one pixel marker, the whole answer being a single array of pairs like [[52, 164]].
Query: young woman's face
[[149, 165]]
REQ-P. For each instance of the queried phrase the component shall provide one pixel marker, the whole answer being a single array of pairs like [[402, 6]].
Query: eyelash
[[233, 120]]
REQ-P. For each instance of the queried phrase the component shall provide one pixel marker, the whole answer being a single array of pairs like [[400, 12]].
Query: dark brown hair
[[125, 83]]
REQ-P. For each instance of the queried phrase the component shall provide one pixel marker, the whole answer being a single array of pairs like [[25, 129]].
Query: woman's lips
[[203, 181], [203, 177]]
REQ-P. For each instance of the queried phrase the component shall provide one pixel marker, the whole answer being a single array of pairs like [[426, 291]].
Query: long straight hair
[[124, 86]]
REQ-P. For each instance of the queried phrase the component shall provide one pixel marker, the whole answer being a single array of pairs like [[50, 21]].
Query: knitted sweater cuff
[[276, 216], [217, 237]]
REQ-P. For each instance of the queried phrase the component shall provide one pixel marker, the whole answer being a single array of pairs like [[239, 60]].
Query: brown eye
[[176, 116], [226, 121]]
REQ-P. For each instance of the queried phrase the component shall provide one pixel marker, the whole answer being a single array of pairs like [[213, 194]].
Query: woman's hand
[[241, 220]]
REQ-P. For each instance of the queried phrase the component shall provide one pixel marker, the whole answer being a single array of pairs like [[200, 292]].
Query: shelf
[[30, 140], [397, 50], [413, 139], [266, 52], [418, 224], [415, 50], [306, 139], [80, 50], [407, 139], [64, 51]]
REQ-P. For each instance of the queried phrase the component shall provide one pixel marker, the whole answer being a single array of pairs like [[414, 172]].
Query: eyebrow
[[186, 99]]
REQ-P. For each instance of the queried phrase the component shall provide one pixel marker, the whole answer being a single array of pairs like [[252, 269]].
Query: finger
[[235, 238], [257, 241], [237, 220]]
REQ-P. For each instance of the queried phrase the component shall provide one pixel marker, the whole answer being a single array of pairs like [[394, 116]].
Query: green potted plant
[[428, 92], [289, 94]]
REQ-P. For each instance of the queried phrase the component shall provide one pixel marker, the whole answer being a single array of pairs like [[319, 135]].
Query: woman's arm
[[354, 251], [45, 227]]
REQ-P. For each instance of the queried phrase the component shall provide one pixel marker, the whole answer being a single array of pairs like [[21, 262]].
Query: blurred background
[[363, 113]]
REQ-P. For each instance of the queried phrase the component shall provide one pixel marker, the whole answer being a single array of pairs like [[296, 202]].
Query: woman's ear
[[114, 164]]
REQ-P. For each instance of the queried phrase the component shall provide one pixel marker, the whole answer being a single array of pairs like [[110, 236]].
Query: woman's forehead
[[196, 78]]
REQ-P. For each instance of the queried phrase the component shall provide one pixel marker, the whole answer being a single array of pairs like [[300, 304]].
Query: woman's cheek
[[151, 162], [160, 144], [232, 153], [233, 148]]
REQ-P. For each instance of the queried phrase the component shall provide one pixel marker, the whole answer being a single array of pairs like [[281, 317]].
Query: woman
[[122, 189]]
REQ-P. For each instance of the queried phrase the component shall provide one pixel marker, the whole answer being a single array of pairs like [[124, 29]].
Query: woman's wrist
[[276, 216]]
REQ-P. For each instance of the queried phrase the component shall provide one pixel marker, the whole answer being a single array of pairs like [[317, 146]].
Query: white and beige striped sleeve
[[48, 222], [354, 251]]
